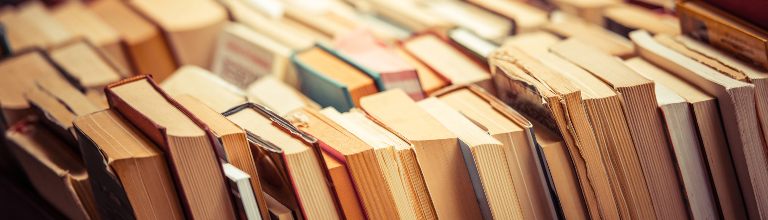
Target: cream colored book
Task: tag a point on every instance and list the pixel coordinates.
(565, 99)
(448, 61)
(32, 25)
(19, 75)
(736, 100)
(244, 55)
(589, 10)
(217, 93)
(593, 35)
(533, 43)
(482, 154)
(88, 66)
(288, 35)
(76, 18)
(475, 19)
(684, 140)
(332, 18)
(527, 18)
(278, 96)
(623, 18)
(437, 152)
(192, 38)
(409, 14)
(662, 192)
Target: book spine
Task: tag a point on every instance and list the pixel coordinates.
(477, 184)
(723, 31)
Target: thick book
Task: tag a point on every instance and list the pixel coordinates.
(594, 35)
(529, 176)
(235, 144)
(393, 70)
(333, 80)
(191, 38)
(736, 100)
(87, 67)
(129, 175)
(707, 23)
(291, 163)
(145, 50)
(31, 25)
(57, 104)
(218, 94)
(53, 169)
(437, 152)
(19, 75)
(526, 18)
(684, 141)
(625, 18)
(278, 96)
(429, 79)
(188, 144)
(486, 24)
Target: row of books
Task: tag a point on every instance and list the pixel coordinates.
(386, 110)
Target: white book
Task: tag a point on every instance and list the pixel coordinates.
(241, 188)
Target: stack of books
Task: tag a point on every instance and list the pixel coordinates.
(374, 109)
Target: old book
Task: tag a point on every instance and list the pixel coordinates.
(526, 17)
(704, 22)
(343, 187)
(329, 18)
(482, 153)
(519, 153)
(533, 43)
(478, 48)
(625, 18)
(277, 29)
(278, 96)
(393, 70)
(559, 94)
(236, 148)
(430, 80)
(53, 169)
(734, 68)
(661, 191)
(589, 10)
(738, 112)
(437, 152)
(371, 169)
(245, 199)
(187, 143)
(293, 168)
(409, 15)
(593, 35)
(244, 55)
(332, 80)
(19, 75)
(135, 182)
(711, 134)
(395, 157)
(684, 140)
(192, 38)
(145, 49)
(32, 25)
(58, 103)
(76, 18)
(448, 61)
(87, 66)
(218, 94)
(277, 210)
(485, 24)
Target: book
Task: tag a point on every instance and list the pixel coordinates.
(706, 23)
(437, 152)
(54, 170)
(277, 210)
(57, 104)
(478, 48)
(447, 61)
(589, 10)
(219, 94)
(243, 56)
(237, 153)
(187, 143)
(593, 35)
(409, 15)
(79, 20)
(481, 153)
(19, 75)
(285, 32)
(661, 191)
(534, 43)
(129, 175)
(394, 71)
(747, 10)
(293, 168)
(87, 66)
(31, 25)
(430, 80)
(329, 18)
(395, 156)
(278, 96)
(513, 131)
(712, 137)
(383, 29)
(331, 80)
(477, 20)
(559, 94)
(244, 194)
(526, 17)
(145, 49)
(684, 140)
(192, 39)
(738, 114)
(344, 188)
(625, 18)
